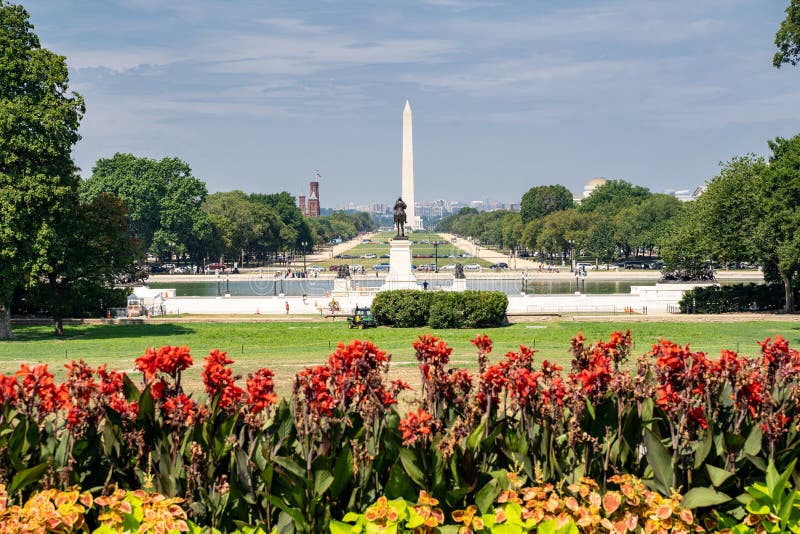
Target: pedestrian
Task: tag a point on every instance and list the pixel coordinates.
(425, 285)
(287, 307)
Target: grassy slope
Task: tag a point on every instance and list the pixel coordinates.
(379, 246)
(287, 347)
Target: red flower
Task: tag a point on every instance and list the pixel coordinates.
(416, 426)
(37, 389)
(483, 343)
(261, 390)
(312, 384)
(179, 410)
(167, 359)
(431, 353)
(218, 378)
(8, 389)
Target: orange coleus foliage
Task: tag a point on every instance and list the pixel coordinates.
(47, 511)
(630, 508)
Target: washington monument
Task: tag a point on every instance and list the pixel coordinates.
(408, 168)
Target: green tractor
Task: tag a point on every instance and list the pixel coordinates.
(362, 318)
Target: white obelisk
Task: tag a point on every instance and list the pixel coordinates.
(408, 168)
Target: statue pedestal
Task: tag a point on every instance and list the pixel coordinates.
(401, 276)
(341, 287)
(460, 284)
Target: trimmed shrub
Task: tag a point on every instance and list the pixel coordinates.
(404, 308)
(467, 309)
(734, 298)
(447, 311)
(484, 308)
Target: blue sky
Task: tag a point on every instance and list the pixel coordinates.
(256, 95)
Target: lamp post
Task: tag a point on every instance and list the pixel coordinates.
(227, 286)
(571, 253)
(304, 244)
(436, 254)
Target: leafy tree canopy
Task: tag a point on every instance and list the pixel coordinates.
(543, 200)
(613, 196)
(38, 180)
(787, 39)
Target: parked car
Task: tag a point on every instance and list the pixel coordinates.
(448, 267)
(384, 256)
(215, 266)
(499, 266)
(315, 268)
(369, 256)
(472, 267)
(381, 267)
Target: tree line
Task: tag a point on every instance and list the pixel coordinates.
(618, 220)
(171, 213)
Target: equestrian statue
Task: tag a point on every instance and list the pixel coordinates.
(400, 217)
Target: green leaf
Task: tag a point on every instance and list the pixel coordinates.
(486, 495)
(342, 471)
(475, 438)
(290, 466)
(659, 459)
(702, 497)
(409, 465)
(26, 477)
(717, 475)
(780, 484)
(337, 527)
(703, 448)
(322, 481)
(752, 444)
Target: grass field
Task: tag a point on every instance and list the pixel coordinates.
(288, 347)
(380, 246)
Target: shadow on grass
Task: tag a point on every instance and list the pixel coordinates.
(98, 332)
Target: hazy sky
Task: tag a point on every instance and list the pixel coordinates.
(256, 95)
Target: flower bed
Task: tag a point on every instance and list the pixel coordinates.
(680, 422)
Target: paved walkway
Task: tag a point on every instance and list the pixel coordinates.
(335, 250)
(490, 255)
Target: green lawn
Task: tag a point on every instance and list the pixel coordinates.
(287, 347)
(380, 245)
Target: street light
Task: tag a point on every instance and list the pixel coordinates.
(571, 253)
(436, 254)
(305, 244)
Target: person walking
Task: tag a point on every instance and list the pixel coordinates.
(287, 307)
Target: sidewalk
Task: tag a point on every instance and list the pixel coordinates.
(335, 250)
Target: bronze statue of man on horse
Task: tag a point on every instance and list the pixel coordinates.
(400, 217)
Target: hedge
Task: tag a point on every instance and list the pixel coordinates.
(464, 309)
(733, 298)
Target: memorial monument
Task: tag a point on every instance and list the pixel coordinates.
(401, 276)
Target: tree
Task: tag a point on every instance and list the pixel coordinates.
(162, 197)
(543, 200)
(777, 238)
(787, 39)
(747, 213)
(613, 196)
(38, 180)
(96, 251)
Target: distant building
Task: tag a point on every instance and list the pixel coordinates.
(313, 200)
(301, 203)
(593, 184)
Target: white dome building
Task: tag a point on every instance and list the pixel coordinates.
(593, 184)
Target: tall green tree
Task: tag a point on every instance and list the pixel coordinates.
(39, 121)
(96, 251)
(613, 196)
(543, 200)
(787, 39)
(777, 238)
(162, 197)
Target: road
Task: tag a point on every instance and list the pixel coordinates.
(490, 255)
(335, 250)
